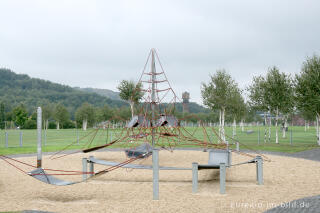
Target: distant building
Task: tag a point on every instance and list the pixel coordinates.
(185, 102)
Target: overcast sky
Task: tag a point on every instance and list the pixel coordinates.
(99, 43)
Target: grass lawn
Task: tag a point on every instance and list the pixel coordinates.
(54, 140)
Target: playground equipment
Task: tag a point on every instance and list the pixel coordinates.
(155, 128)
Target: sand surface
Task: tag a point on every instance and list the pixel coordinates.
(127, 190)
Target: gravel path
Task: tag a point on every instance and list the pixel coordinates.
(307, 204)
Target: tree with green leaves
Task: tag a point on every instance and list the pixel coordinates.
(20, 115)
(86, 114)
(105, 113)
(257, 100)
(308, 117)
(237, 110)
(131, 92)
(61, 115)
(307, 89)
(47, 112)
(278, 94)
(218, 94)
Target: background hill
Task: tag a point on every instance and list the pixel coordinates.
(16, 89)
(193, 107)
(104, 92)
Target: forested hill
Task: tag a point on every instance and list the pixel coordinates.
(18, 88)
(104, 92)
(193, 107)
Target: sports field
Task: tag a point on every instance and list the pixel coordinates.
(54, 140)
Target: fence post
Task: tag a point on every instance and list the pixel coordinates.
(20, 139)
(222, 178)
(259, 135)
(39, 147)
(237, 146)
(291, 135)
(77, 136)
(194, 177)
(6, 139)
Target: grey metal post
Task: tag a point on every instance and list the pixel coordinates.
(194, 177)
(259, 135)
(45, 137)
(84, 168)
(259, 164)
(291, 135)
(20, 139)
(237, 146)
(155, 168)
(6, 138)
(39, 127)
(91, 167)
(155, 152)
(222, 178)
(77, 136)
(107, 134)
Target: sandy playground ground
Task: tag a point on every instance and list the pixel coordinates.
(127, 190)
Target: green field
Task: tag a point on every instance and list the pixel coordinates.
(54, 140)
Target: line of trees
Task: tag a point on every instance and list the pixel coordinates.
(277, 94)
(59, 117)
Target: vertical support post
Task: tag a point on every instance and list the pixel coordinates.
(39, 127)
(155, 167)
(110, 136)
(259, 165)
(20, 139)
(237, 146)
(91, 167)
(222, 178)
(84, 168)
(194, 177)
(6, 138)
(155, 152)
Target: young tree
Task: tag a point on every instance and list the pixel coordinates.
(47, 112)
(105, 113)
(20, 115)
(257, 97)
(61, 115)
(307, 88)
(278, 93)
(219, 94)
(86, 113)
(237, 110)
(131, 92)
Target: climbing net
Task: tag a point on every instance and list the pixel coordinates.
(155, 124)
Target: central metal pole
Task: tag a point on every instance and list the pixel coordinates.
(155, 152)
(153, 94)
(39, 127)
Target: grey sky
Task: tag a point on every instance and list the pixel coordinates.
(99, 43)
